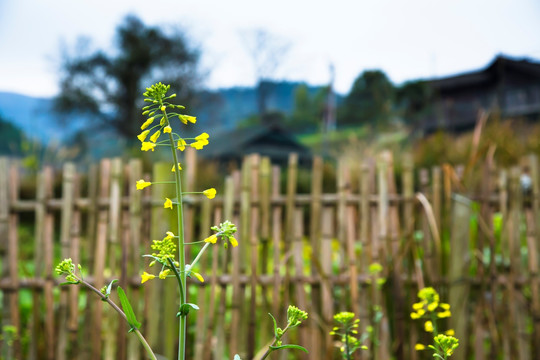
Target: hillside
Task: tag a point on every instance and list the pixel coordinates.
(220, 109)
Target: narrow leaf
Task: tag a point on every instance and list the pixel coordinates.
(109, 288)
(289, 346)
(128, 310)
(275, 325)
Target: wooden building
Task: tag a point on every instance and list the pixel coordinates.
(508, 85)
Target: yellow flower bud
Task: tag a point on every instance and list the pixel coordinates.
(141, 184)
(210, 193)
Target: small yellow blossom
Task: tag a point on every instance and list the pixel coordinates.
(432, 306)
(197, 145)
(147, 123)
(146, 276)
(181, 145)
(211, 239)
(450, 332)
(210, 193)
(198, 276)
(163, 274)
(174, 168)
(186, 118)
(203, 136)
(444, 306)
(141, 184)
(418, 306)
(233, 241)
(168, 203)
(428, 326)
(419, 347)
(155, 136)
(167, 129)
(444, 314)
(163, 107)
(147, 146)
(170, 235)
(143, 135)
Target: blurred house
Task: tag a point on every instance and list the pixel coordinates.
(267, 140)
(507, 85)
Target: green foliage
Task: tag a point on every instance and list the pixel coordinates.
(370, 100)
(128, 310)
(295, 316)
(11, 138)
(414, 101)
(107, 86)
(308, 110)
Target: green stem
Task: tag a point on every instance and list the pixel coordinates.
(347, 345)
(119, 311)
(199, 255)
(269, 350)
(181, 255)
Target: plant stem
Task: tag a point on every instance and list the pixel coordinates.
(181, 255)
(119, 311)
(199, 255)
(347, 345)
(269, 350)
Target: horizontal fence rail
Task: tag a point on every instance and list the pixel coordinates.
(472, 234)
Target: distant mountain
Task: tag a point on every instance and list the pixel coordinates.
(35, 117)
(224, 108)
(220, 109)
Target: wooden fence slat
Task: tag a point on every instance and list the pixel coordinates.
(100, 252)
(134, 254)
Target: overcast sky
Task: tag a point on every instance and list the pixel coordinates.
(408, 39)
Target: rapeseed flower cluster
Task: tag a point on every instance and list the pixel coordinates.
(431, 309)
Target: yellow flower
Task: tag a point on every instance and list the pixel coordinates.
(418, 314)
(170, 235)
(174, 168)
(211, 239)
(445, 306)
(186, 118)
(163, 108)
(419, 347)
(155, 136)
(181, 145)
(147, 123)
(428, 326)
(432, 306)
(147, 146)
(163, 274)
(198, 276)
(203, 136)
(233, 241)
(444, 314)
(199, 144)
(418, 306)
(450, 332)
(146, 276)
(167, 129)
(141, 184)
(210, 193)
(143, 135)
(167, 204)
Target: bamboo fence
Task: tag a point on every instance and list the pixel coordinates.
(477, 245)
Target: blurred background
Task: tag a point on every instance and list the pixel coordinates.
(350, 75)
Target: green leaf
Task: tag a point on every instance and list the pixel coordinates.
(69, 283)
(184, 309)
(109, 288)
(289, 346)
(128, 310)
(275, 325)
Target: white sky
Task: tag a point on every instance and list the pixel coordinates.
(408, 39)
